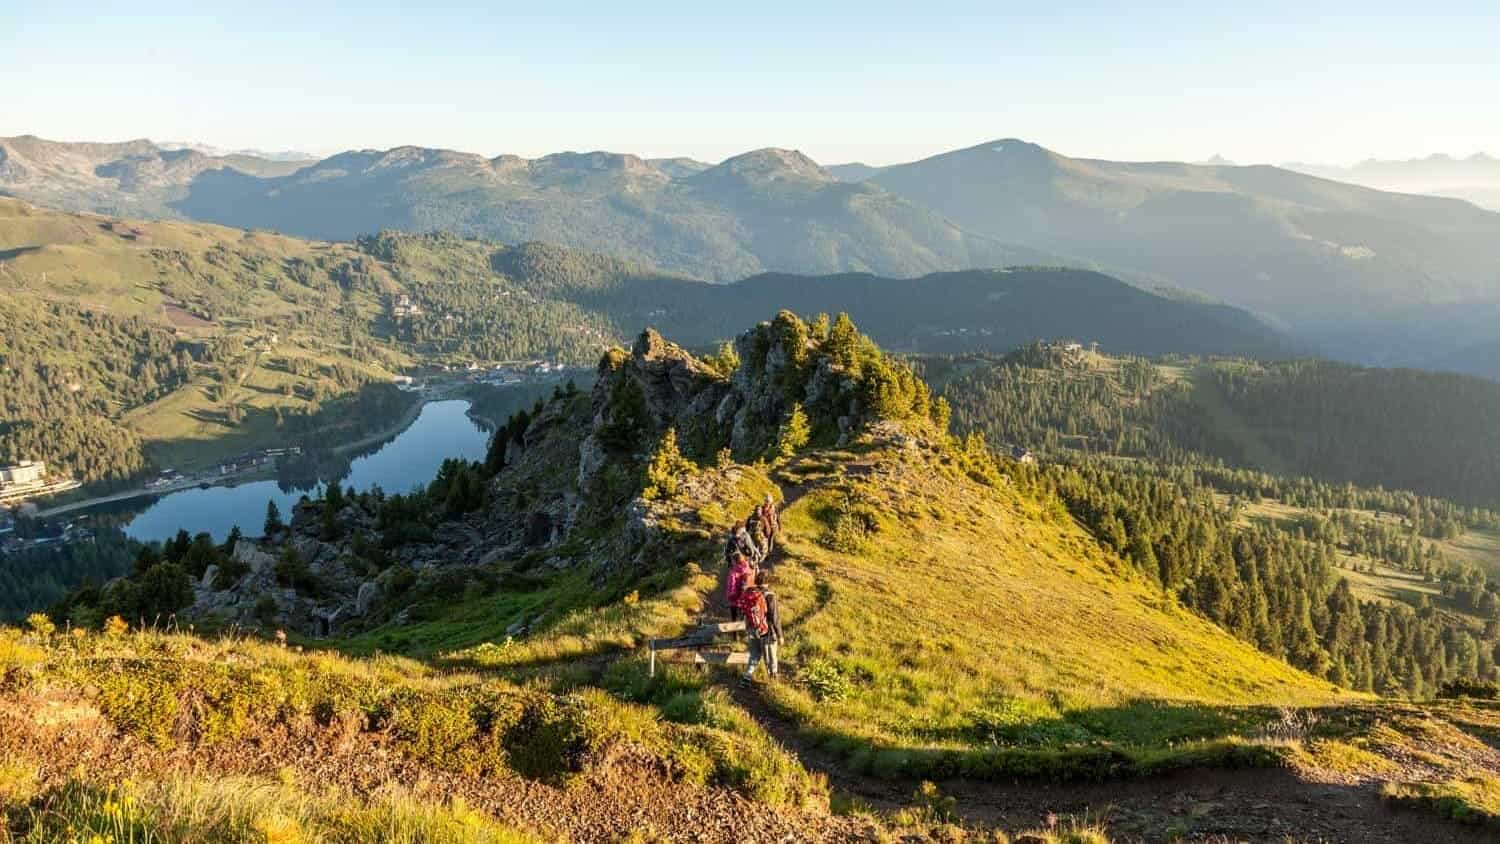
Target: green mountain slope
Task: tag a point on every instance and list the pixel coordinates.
(1358, 273)
(254, 325)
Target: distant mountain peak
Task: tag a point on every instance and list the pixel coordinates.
(773, 164)
(596, 160)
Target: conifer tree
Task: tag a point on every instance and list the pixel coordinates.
(666, 466)
(793, 435)
(273, 523)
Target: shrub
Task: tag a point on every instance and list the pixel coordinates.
(140, 698)
(1013, 720)
(163, 590)
(1477, 689)
(551, 739)
(292, 570)
(231, 569)
(850, 525)
(725, 361)
(266, 609)
(824, 680)
(114, 627)
(40, 624)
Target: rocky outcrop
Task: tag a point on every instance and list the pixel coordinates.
(344, 593)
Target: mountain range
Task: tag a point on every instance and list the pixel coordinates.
(1475, 178)
(1347, 269)
(765, 210)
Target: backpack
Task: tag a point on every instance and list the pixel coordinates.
(753, 605)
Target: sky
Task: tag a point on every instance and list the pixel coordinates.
(875, 82)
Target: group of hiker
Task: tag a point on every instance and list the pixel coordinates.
(747, 588)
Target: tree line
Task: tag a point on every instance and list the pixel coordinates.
(1275, 589)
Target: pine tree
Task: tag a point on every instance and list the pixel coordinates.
(843, 342)
(273, 524)
(793, 435)
(667, 464)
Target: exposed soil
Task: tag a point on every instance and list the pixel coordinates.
(183, 318)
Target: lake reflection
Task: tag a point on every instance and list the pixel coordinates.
(442, 430)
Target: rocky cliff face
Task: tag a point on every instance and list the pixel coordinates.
(301, 580)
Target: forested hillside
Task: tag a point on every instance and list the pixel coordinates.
(1371, 587)
(1401, 429)
(64, 374)
(1280, 588)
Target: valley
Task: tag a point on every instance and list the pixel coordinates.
(1037, 621)
(828, 423)
(953, 617)
(237, 340)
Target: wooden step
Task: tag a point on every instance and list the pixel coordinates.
(692, 640)
(709, 657)
(722, 627)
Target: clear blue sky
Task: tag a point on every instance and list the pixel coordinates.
(841, 81)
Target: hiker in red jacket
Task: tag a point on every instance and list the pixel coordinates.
(763, 624)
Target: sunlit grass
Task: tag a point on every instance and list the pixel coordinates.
(974, 619)
(241, 809)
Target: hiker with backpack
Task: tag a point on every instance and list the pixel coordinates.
(770, 522)
(758, 537)
(732, 544)
(744, 544)
(763, 624)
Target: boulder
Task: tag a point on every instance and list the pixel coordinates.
(251, 554)
(210, 574)
(368, 593)
(591, 457)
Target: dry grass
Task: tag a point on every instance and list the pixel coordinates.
(241, 809)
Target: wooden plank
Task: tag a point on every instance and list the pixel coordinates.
(710, 657)
(722, 627)
(691, 641)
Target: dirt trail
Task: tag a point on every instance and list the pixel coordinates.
(1250, 805)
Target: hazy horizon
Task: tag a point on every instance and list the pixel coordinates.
(841, 83)
(226, 148)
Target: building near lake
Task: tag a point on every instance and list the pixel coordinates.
(28, 479)
(23, 473)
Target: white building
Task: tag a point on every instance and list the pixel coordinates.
(24, 473)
